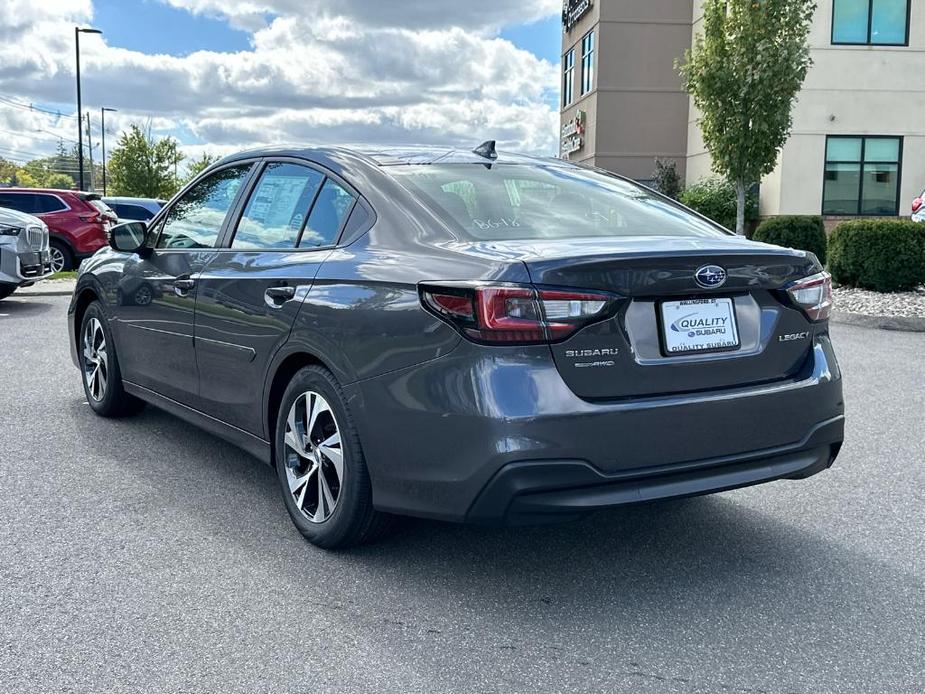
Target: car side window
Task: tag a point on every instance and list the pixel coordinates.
(327, 216)
(275, 212)
(125, 211)
(21, 202)
(49, 203)
(196, 219)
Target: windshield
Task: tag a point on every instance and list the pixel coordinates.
(513, 201)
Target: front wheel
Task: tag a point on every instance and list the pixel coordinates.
(6, 290)
(320, 465)
(99, 366)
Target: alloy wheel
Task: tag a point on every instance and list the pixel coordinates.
(314, 457)
(57, 259)
(96, 360)
(143, 296)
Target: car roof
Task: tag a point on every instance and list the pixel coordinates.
(53, 191)
(393, 155)
(122, 198)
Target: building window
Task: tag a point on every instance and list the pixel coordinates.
(862, 175)
(568, 77)
(587, 62)
(870, 22)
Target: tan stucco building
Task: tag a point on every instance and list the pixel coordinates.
(858, 139)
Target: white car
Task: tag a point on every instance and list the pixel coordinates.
(24, 252)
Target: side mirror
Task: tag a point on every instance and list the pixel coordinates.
(128, 237)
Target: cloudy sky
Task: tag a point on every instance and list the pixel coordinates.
(225, 74)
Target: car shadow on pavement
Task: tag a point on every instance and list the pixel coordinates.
(685, 568)
(17, 306)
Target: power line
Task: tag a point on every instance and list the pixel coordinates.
(31, 107)
(22, 152)
(38, 134)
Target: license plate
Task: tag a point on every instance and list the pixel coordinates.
(699, 325)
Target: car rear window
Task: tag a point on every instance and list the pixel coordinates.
(514, 201)
(101, 207)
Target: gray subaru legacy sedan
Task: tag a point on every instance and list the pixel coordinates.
(464, 335)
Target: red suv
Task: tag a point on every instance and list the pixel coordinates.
(78, 223)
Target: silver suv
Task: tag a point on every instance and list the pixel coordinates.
(24, 252)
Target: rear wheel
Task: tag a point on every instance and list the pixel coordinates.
(320, 465)
(99, 366)
(61, 256)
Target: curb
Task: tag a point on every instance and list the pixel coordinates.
(45, 288)
(50, 293)
(897, 323)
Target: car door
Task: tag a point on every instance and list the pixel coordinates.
(156, 294)
(251, 290)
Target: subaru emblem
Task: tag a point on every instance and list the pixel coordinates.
(710, 276)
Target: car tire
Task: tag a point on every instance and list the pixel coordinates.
(329, 500)
(61, 256)
(99, 367)
(6, 290)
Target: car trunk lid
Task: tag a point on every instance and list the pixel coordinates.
(630, 353)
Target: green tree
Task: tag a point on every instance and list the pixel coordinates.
(142, 166)
(198, 165)
(7, 170)
(743, 73)
(22, 178)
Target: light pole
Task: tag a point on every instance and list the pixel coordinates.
(90, 149)
(103, 111)
(80, 149)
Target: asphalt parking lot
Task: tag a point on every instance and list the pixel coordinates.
(145, 555)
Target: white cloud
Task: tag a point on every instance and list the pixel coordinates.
(481, 15)
(318, 72)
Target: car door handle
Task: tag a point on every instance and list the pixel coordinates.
(277, 296)
(183, 285)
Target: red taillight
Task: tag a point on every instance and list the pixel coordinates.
(459, 306)
(916, 205)
(515, 314)
(95, 218)
(813, 295)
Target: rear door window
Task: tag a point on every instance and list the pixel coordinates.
(276, 211)
(196, 219)
(327, 216)
(49, 203)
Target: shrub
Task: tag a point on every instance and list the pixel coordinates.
(716, 198)
(666, 179)
(801, 232)
(881, 254)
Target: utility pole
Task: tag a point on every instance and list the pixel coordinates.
(80, 150)
(103, 137)
(90, 150)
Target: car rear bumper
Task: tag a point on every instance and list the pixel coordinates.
(539, 492)
(495, 435)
